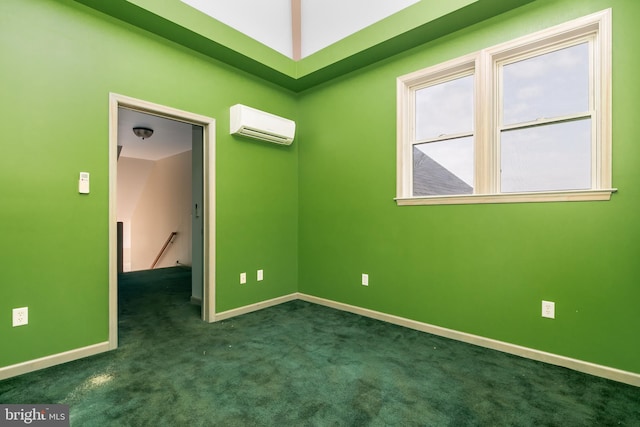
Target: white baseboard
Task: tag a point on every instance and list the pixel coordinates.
(55, 359)
(254, 307)
(529, 353)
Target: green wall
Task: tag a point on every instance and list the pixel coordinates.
(480, 269)
(314, 215)
(59, 61)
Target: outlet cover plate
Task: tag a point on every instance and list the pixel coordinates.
(260, 275)
(20, 316)
(549, 309)
(243, 278)
(365, 279)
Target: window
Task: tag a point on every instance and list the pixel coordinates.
(525, 121)
(443, 152)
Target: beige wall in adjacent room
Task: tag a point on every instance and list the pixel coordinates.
(133, 175)
(164, 206)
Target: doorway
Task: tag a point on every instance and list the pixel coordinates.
(159, 191)
(203, 206)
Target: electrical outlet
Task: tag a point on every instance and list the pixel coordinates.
(243, 278)
(365, 279)
(549, 309)
(260, 275)
(20, 316)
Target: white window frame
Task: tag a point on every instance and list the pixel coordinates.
(485, 65)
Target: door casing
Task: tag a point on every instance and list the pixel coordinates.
(208, 208)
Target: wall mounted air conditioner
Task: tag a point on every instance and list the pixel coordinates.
(247, 121)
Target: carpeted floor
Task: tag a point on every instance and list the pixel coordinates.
(300, 364)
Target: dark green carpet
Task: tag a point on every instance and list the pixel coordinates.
(299, 364)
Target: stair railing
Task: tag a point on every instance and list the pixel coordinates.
(164, 248)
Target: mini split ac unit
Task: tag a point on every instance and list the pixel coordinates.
(247, 121)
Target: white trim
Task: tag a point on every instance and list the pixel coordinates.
(449, 137)
(113, 214)
(565, 32)
(404, 183)
(543, 121)
(439, 73)
(533, 197)
(529, 353)
(52, 360)
(209, 223)
(255, 307)
(619, 375)
(208, 123)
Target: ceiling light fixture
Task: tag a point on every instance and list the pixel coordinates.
(143, 133)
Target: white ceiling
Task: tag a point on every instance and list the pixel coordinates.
(323, 22)
(268, 22)
(170, 137)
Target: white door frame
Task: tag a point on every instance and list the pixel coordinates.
(209, 164)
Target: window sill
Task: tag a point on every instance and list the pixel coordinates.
(549, 196)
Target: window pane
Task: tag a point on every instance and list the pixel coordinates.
(444, 109)
(546, 86)
(547, 158)
(443, 167)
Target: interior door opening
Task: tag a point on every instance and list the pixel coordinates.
(159, 202)
(161, 190)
